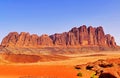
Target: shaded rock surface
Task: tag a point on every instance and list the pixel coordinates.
(77, 37)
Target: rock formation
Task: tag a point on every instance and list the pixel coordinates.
(103, 68)
(81, 36)
(45, 40)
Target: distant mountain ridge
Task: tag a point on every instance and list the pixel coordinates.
(76, 37)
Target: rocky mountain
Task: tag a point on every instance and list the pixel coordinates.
(76, 37)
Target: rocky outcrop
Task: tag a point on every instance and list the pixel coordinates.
(45, 40)
(103, 68)
(59, 39)
(92, 40)
(81, 36)
(110, 41)
(11, 39)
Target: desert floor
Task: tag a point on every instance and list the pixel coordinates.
(54, 69)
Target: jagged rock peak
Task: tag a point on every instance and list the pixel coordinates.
(81, 36)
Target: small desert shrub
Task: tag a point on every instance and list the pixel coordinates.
(93, 76)
(79, 74)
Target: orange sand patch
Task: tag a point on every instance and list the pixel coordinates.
(37, 71)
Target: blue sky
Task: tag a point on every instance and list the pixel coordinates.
(51, 16)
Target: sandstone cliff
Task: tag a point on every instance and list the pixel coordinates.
(76, 37)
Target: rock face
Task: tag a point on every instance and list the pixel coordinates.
(81, 36)
(45, 40)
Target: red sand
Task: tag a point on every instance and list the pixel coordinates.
(33, 71)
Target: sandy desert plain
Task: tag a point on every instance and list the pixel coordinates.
(64, 68)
